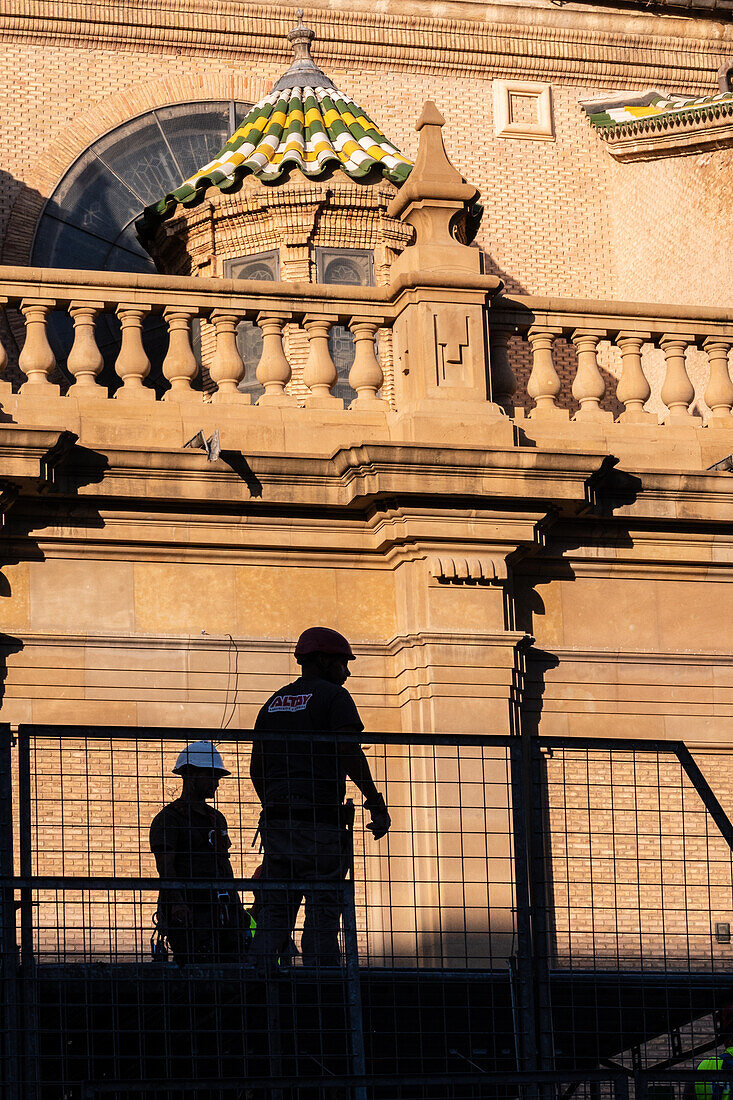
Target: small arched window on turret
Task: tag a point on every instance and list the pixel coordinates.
(725, 76)
(266, 267)
(348, 267)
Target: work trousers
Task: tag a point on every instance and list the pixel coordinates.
(296, 852)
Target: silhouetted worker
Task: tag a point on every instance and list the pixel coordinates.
(716, 1090)
(301, 783)
(190, 840)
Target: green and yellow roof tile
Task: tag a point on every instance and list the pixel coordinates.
(655, 107)
(304, 122)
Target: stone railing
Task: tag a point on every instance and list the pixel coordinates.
(36, 294)
(636, 330)
(438, 346)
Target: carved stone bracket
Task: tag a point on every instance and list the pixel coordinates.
(483, 569)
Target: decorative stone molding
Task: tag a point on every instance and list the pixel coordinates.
(655, 123)
(293, 217)
(513, 41)
(533, 119)
(651, 139)
(486, 569)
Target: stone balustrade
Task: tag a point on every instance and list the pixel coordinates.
(635, 330)
(31, 296)
(603, 373)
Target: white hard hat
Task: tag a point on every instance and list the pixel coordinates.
(201, 754)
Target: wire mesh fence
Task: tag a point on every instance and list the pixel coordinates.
(539, 912)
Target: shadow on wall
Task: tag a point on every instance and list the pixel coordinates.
(607, 490)
(565, 359)
(20, 208)
(564, 355)
(65, 468)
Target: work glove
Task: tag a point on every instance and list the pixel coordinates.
(381, 821)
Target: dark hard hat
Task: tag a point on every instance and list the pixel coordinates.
(320, 639)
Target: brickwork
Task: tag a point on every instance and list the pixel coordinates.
(637, 870)
(560, 217)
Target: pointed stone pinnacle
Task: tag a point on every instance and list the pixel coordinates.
(429, 116)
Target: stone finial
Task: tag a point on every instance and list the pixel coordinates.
(300, 38)
(433, 199)
(433, 177)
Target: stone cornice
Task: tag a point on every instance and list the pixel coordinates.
(574, 44)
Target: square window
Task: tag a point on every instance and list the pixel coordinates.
(523, 109)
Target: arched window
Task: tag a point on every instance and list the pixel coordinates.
(350, 267)
(87, 222)
(264, 266)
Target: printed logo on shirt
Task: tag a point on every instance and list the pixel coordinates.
(289, 703)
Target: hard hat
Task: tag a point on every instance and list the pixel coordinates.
(200, 754)
(320, 639)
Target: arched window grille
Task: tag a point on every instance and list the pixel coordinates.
(88, 221)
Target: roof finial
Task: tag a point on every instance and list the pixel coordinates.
(300, 38)
(303, 72)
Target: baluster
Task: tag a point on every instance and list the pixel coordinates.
(180, 366)
(132, 364)
(588, 386)
(37, 360)
(273, 369)
(677, 390)
(503, 381)
(85, 359)
(366, 375)
(320, 373)
(227, 367)
(544, 384)
(633, 390)
(719, 391)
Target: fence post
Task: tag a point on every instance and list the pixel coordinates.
(27, 983)
(526, 1039)
(8, 937)
(353, 984)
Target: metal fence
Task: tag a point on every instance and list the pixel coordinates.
(545, 917)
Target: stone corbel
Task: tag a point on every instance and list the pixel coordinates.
(470, 570)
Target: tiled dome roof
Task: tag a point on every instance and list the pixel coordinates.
(304, 122)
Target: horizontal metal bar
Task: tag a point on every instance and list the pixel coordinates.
(118, 882)
(621, 744)
(360, 1081)
(172, 733)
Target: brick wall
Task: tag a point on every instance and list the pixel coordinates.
(561, 217)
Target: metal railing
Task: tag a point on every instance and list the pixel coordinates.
(541, 916)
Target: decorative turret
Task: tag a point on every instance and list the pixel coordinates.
(303, 124)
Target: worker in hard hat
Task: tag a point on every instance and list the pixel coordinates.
(190, 840)
(722, 1089)
(301, 783)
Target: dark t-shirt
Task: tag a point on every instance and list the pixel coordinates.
(197, 839)
(300, 777)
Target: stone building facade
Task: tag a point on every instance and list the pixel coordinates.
(536, 472)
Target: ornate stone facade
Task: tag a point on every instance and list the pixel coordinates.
(512, 494)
